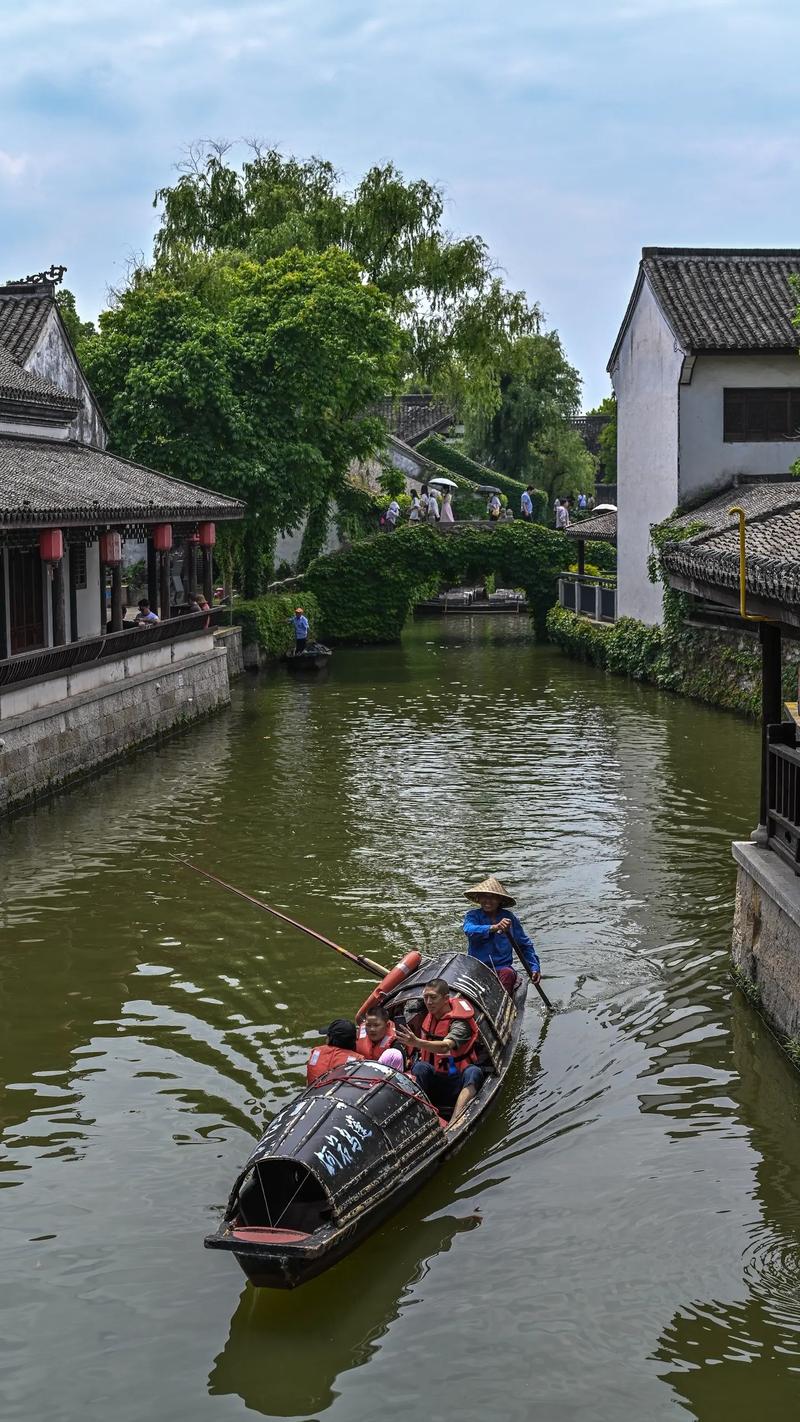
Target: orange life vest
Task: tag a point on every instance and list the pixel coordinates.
(323, 1058)
(439, 1027)
(372, 1050)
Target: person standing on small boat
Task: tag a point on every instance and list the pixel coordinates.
(446, 1065)
(340, 1047)
(490, 931)
(300, 630)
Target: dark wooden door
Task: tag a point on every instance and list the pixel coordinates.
(26, 605)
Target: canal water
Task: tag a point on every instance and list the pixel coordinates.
(620, 1241)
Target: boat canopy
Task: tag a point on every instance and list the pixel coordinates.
(328, 1153)
(494, 1008)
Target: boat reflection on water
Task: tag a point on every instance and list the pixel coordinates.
(285, 1350)
(344, 1314)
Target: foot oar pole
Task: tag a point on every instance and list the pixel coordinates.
(543, 995)
(359, 958)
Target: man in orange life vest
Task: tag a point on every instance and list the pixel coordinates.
(446, 1063)
(340, 1047)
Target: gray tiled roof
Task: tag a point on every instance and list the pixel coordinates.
(722, 298)
(21, 321)
(602, 527)
(21, 385)
(52, 480)
(772, 522)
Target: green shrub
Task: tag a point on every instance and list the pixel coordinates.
(268, 620)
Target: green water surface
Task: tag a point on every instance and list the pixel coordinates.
(620, 1241)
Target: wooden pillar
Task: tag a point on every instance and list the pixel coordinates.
(116, 598)
(771, 699)
(73, 600)
(59, 605)
(581, 556)
(164, 601)
(190, 566)
(152, 575)
(208, 575)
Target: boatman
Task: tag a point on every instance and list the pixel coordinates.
(446, 1065)
(492, 934)
(300, 630)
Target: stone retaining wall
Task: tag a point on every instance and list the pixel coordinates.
(103, 712)
(766, 935)
(231, 639)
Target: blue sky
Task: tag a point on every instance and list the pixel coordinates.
(567, 133)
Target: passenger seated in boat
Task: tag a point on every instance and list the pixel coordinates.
(447, 1050)
(377, 1035)
(340, 1047)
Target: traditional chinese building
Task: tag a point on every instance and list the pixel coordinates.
(758, 595)
(78, 686)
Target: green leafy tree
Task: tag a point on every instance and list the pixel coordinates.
(78, 330)
(251, 376)
(607, 462)
(528, 437)
(457, 315)
(561, 464)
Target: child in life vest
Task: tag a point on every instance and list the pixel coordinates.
(377, 1035)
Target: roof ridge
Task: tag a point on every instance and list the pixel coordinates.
(702, 253)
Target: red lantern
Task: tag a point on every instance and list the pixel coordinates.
(207, 534)
(51, 545)
(111, 549)
(162, 537)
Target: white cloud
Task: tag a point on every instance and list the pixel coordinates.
(12, 165)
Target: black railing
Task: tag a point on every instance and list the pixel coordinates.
(34, 666)
(594, 597)
(783, 793)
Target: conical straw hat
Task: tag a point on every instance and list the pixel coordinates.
(491, 886)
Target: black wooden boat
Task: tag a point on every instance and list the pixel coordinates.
(335, 1162)
(314, 658)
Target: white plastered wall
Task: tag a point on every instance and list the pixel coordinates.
(87, 600)
(645, 380)
(707, 463)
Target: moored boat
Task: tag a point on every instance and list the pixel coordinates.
(349, 1150)
(314, 658)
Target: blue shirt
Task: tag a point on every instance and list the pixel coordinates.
(525, 503)
(300, 625)
(496, 949)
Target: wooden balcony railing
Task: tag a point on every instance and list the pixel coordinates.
(35, 666)
(592, 596)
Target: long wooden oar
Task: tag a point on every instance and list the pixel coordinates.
(359, 958)
(543, 995)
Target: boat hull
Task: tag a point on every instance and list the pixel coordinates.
(285, 1259)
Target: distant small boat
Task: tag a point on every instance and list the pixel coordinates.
(349, 1150)
(314, 658)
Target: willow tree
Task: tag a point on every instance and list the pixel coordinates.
(457, 315)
